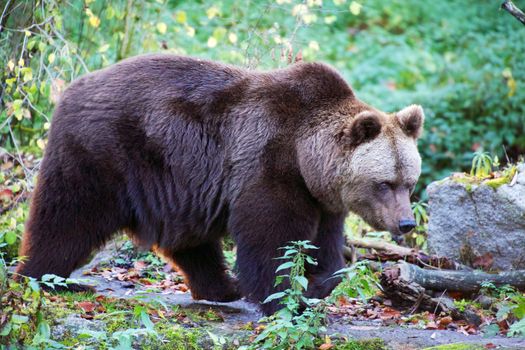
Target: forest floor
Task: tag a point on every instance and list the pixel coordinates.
(116, 277)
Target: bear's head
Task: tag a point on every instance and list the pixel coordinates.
(366, 161)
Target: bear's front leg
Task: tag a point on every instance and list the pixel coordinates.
(262, 220)
(205, 272)
(329, 256)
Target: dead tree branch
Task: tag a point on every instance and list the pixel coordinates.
(459, 281)
(392, 252)
(513, 10)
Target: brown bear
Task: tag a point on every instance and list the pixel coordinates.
(178, 152)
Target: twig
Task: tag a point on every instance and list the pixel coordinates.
(513, 10)
(380, 245)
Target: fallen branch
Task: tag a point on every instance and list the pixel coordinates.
(380, 245)
(458, 281)
(413, 296)
(392, 252)
(513, 10)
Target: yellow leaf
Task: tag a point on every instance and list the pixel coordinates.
(162, 27)
(312, 3)
(19, 115)
(219, 33)
(299, 10)
(330, 19)
(190, 31)
(181, 17)
(103, 48)
(27, 33)
(339, 2)
(212, 12)
(21, 62)
(27, 75)
(41, 144)
(11, 65)
(355, 8)
(232, 37)
(26, 113)
(47, 125)
(212, 42)
(309, 18)
(281, 2)
(51, 58)
(314, 45)
(94, 21)
(511, 83)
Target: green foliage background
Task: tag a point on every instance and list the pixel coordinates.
(461, 59)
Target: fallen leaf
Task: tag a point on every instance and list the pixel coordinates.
(140, 265)
(6, 195)
(87, 306)
(431, 325)
(444, 322)
(327, 343)
(484, 261)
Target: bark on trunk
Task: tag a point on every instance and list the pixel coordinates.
(459, 281)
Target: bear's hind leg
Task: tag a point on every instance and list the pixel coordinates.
(205, 272)
(70, 216)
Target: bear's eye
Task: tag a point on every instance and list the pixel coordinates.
(385, 186)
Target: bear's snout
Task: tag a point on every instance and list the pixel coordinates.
(406, 225)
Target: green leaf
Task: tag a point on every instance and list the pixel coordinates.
(302, 281)
(47, 277)
(517, 328)
(10, 237)
(6, 329)
(19, 319)
(33, 284)
(44, 330)
(274, 296)
(146, 321)
(284, 266)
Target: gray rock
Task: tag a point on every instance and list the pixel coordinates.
(468, 222)
(73, 325)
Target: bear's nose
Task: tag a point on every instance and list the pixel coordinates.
(406, 225)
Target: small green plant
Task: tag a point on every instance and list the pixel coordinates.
(464, 304)
(511, 307)
(11, 230)
(22, 302)
(358, 280)
(482, 164)
(419, 235)
(289, 328)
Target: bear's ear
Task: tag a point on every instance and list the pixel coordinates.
(365, 126)
(411, 119)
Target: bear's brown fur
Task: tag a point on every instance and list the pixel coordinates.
(180, 151)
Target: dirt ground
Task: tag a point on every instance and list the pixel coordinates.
(237, 314)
